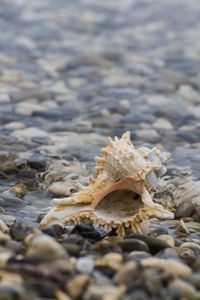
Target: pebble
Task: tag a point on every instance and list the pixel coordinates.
(186, 254)
(138, 255)
(194, 279)
(168, 253)
(171, 266)
(185, 289)
(29, 133)
(106, 292)
(77, 285)
(185, 209)
(4, 257)
(167, 238)
(111, 260)
(162, 124)
(15, 125)
(85, 264)
(132, 244)
(20, 229)
(148, 135)
(126, 273)
(50, 252)
(3, 226)
(87, 231)
(54, 230)
(189, 93)
(155, 244)
(191, 245)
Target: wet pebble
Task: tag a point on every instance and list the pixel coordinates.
(111, 260)
(168, 253)
(132, 244)
(167, 238)
(185, 289)
(148, 135)
(138, 255)
(126, 273)
(44, 247)
(194, 279)
(3, 226)
(155, 245)
(186, 254)
(106, 292)
(185, 209)
(170, 266)
(77, 285)
(20, 229)
(85, 264)
(54, 230)
(87, 231)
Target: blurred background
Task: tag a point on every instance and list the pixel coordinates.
(74, 72)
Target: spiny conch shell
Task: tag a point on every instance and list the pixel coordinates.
(120, 195)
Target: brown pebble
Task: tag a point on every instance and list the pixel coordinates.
(77, 285)
(167, 238)
(126, 274)
(171, 266)
(111, 260)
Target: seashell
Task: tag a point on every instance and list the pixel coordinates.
(121, 194)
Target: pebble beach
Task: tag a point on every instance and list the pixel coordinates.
(73, 73)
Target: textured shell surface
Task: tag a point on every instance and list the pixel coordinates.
(120, 196)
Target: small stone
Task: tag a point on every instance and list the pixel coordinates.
(54, 230)
(191, 245)
(3, 226)
(19, 190)
(45, 248)
(156, 100)
(186, 254)
(87, 231)
(105, 246)
(163, 124)
(60, 295)
(20, 229)
(132, 244)
(37, 162)
(189, 93)
(12, 291)
(29, 133)
(195, 111)
(85, 264)
(148, 135)
(64, 265)
(111, 260)
(168, 253)
(26, 109)
(167, 238)
(138, 255)
(194, 279)
(4, 98)
(15, 246)
(77, 285)
(155, 244)
(15, 125)
(4, 257)
(126, 274)
(170, 266)
(182, 227)
(106, 292)
(185, 209)
(186, 290)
